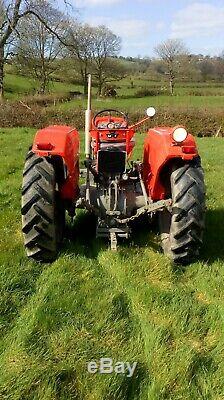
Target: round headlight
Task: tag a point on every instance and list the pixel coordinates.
(179, 134)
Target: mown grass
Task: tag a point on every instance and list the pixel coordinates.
(132, 305)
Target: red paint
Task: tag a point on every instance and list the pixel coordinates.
(123, 135)
(64, 141)
(159, 149)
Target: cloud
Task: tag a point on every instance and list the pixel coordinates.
(130, 28)
(159, 26)
(126, 28)
(198, 19)
(133, 32)
(93, 3)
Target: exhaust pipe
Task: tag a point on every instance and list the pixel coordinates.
(88, 122)
(88, 118)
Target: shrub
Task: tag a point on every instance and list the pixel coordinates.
(145, 92)
(198, 122)
(45, 100)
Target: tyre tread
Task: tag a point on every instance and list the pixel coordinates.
(188, 211)
(38, 208)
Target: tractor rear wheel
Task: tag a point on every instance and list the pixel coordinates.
(182, 230)
(43, 213)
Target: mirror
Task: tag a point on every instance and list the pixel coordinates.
(150, 111)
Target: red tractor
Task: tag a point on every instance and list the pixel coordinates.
(169, 181)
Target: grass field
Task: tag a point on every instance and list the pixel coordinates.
(16, 87)
(132, 305)
(181, 102)
(211, 94)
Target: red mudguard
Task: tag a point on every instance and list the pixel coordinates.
(159, 150)
(62, 141)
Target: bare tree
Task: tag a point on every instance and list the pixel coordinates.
(9, 18)
(80, 41)
(220, 67)
(113, 70)
(92, 48)
(38, 48)
(11, 12)
(171, 52)
(105, 45)
(206, 67)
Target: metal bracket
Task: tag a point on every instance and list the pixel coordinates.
(113, 213)
(83, 173)
(113, 241)
(112, 233)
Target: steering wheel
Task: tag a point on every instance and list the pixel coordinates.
(110, 112)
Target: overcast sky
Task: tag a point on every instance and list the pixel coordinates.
(142, 24)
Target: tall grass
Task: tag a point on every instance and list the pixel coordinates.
(132, 305)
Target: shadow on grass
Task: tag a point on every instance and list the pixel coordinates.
(144, 232)
(80, 236)
(213, 244)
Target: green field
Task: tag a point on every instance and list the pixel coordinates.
(132, 305)
(188, 95)
(176, 102)
(16, 87)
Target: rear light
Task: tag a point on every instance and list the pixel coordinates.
(45, 146)
(189, 149)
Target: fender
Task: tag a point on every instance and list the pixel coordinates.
(159, 150)
(62, 141)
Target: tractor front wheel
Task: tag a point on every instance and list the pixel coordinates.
(43, 213)
(182, 229)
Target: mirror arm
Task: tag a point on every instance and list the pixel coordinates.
(139, 123)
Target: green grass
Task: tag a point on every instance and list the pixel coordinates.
(132, 305)
(16, 87)
(132, 104)
(124, 87)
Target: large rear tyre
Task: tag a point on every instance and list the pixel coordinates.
(182, 230)
(43, 214)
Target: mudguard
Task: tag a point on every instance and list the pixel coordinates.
(61, 141)
(159, 151)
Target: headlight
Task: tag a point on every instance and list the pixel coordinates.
(179, 135)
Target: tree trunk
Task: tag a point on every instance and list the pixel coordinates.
(43, 81)
(1, 73)
(100, 81)
(100, 87)
(85, 83)
(84, 75)
(171, 86)
(85, 88)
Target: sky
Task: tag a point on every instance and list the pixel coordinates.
(142, 24)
